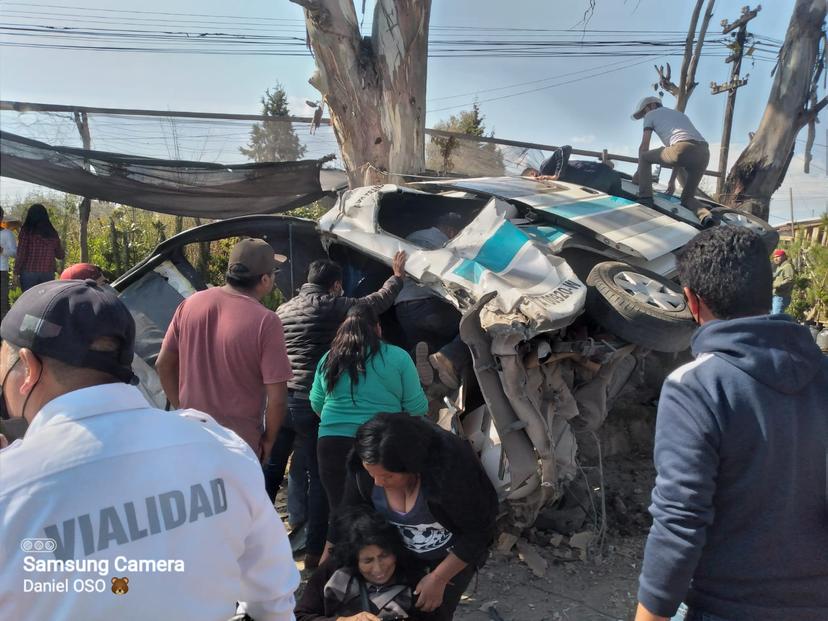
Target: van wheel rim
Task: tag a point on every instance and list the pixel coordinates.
(650, 292)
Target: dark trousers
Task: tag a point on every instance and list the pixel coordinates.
(30, 279)
(437, 323)
(332, 454)
(451, 596)
(4, 293)
(298, 434)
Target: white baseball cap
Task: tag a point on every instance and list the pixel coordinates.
(639, 109)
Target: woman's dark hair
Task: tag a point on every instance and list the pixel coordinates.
(358, 527)
(37, 221)
(397, 442)
(355, 343)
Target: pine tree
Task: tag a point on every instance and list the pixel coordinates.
(274, 141)
(463, 156)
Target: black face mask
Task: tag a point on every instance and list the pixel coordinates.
(13, 427)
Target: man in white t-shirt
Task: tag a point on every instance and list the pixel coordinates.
(684, 148)
(8, 249)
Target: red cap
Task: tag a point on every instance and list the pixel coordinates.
(81, 271)
(779, 253)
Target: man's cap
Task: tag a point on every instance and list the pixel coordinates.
(81, 271)
(62, 318)
(780, 253)
(639, 109)
(254, 256)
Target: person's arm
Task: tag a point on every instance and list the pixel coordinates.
(671, 184)
(10, 249)
(59, 253)
(274, 417)
(687, 460)
(646, 136)
(166, 365)
(22, 253)
(268, 574)
(642, 614)
(412, 399)
(318, 391)
(275, 366)
(431, 589)
(311, 606)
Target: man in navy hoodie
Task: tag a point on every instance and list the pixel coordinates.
(740, 506)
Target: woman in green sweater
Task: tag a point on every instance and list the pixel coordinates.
(358, 378)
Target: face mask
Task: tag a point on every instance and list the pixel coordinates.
(15, 426)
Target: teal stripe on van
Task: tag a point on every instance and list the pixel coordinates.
(495, 254)
(573, 211)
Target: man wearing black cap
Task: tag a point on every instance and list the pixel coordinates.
(224, 352)
(107, 493)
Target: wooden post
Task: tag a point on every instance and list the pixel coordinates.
(793, 228)
(736, 81)
(82, 122)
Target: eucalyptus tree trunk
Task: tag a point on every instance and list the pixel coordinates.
(761, 167)
(374, 86)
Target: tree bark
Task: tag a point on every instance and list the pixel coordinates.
(374, 86)
(761, 167)
(689, 78)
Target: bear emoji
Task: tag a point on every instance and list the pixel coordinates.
(119, 585)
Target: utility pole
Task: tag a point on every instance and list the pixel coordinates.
(735, 82)
(82, 122)
(793, 228)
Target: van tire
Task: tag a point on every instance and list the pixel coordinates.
(639, 306)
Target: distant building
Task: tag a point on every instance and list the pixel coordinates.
(814, 231)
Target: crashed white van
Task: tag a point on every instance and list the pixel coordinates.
(563, 291)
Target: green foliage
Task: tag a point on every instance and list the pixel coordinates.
(119, 237)
(274, 141)
(810, 295)
(463, 156)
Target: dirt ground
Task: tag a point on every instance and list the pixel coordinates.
(578, 575)
(571, 589)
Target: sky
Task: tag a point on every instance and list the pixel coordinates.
(521, 98)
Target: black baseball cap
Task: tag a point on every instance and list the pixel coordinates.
(61, 319)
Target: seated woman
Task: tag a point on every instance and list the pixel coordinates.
(365, 579)
(360, 376)
(431, 486)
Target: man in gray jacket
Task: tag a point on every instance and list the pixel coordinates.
(310, 321)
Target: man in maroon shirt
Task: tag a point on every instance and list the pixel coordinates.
(224, 352)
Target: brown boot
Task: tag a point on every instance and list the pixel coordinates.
(421, 360)
(445, 370)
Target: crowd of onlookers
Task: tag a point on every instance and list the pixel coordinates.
(399, 512)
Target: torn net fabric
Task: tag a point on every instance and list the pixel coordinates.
(181, 188)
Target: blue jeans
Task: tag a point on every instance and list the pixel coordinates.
(299, 435)
(779, 304)
(30, 279)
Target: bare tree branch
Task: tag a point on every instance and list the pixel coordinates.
(690, 79)
(688, 47)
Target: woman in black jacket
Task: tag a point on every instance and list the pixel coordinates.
(431, 486)
(367, 578)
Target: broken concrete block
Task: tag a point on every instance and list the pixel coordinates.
(505, 543)
(580, 541)
(529, 555)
